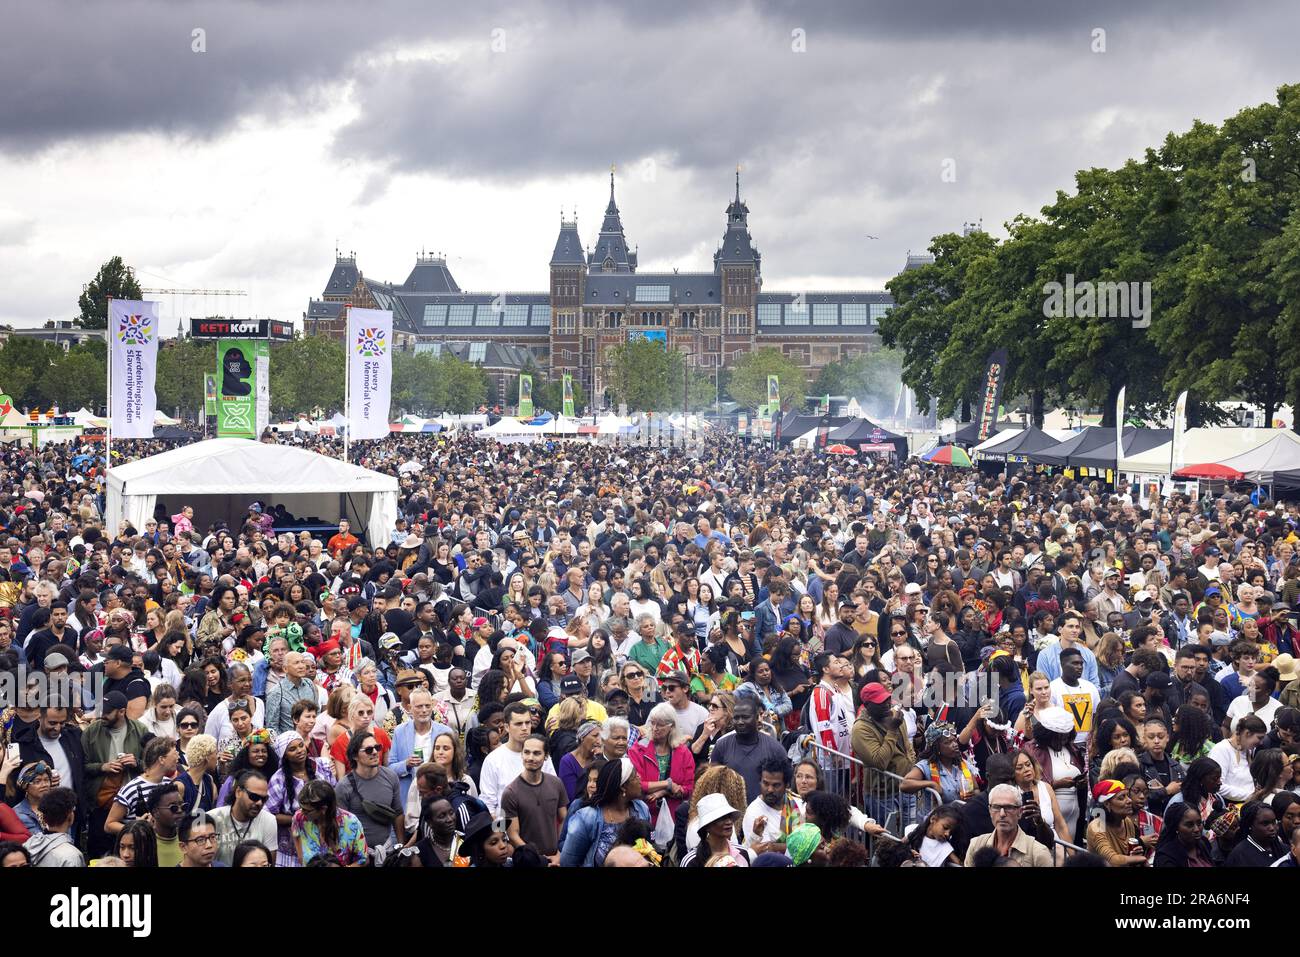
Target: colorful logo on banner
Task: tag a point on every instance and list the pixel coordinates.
(6, 403)
(133, 361)
(372, 342)
(134, 329)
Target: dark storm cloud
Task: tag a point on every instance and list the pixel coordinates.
(84, 69)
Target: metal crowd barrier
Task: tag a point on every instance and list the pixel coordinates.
(877, 794)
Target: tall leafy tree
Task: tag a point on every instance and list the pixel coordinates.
(643, 374)
(113, 281)
(747, 384)
(925, 317)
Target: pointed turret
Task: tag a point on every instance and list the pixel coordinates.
(737, 245)
(568, 245)
(611, 252)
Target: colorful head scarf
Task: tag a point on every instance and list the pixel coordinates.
(1107, 790)
(260, 736)
(31, 772)
(801, 843)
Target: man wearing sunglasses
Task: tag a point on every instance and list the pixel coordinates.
(165, 811)
(842, 636)
(246, 819)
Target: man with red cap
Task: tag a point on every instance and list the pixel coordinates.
(880, 742)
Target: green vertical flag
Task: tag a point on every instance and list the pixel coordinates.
(525, 396)
(568, 395)
(236, 388)
(209, 394)
(774, 392)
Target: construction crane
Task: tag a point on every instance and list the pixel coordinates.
(191, 292)
(195, 292)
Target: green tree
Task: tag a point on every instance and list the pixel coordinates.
(418, 386)
(114, 280)
(182, 364)
(306, 372)
(925, 317)
(24, 363)
(466, 384)
(643, 375)
(747, 384)
(74, 380)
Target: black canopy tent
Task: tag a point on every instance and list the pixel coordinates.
(1017, 447)
(795, 424)
(1136, 440)
(1083, 441)
(174, 433)
(968, 435)
(860, 432)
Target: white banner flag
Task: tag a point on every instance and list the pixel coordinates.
(1180, 431)
(1119, 431)
(133, 337)
(370, 371)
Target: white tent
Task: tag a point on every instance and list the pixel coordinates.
(613, 425)
(160, 419)
(220, 477)
(1280, 453)
(561, 425)
(512, 430)
(1200, 445)
(806, 441)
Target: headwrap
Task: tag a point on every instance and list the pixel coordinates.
(937, 730)
(29, 773)
(283, 741)
(586, 728)
(1104, 791)
(324, 648)
(629, 769)
(291, 633)
(259, 736)
(646, 850)
(801, 843)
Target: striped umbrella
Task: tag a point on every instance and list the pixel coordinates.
(948, 455)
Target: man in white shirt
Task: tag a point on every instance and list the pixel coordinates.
(1076, 694)
(506, 763)
(1211, 567)
(674, 687)
(1257, 700)
(775, 812)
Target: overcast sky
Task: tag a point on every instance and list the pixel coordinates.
(388, 127)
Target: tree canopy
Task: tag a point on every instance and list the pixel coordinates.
(1182, 271)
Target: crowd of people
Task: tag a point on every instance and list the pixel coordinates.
(579, 655)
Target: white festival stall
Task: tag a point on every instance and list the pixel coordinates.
(220, 478)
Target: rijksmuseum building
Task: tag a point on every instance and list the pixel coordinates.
(597, 300)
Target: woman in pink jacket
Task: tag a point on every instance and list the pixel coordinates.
(663, 761)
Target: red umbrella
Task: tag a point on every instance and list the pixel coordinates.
(1210, 470)
(840, 450)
